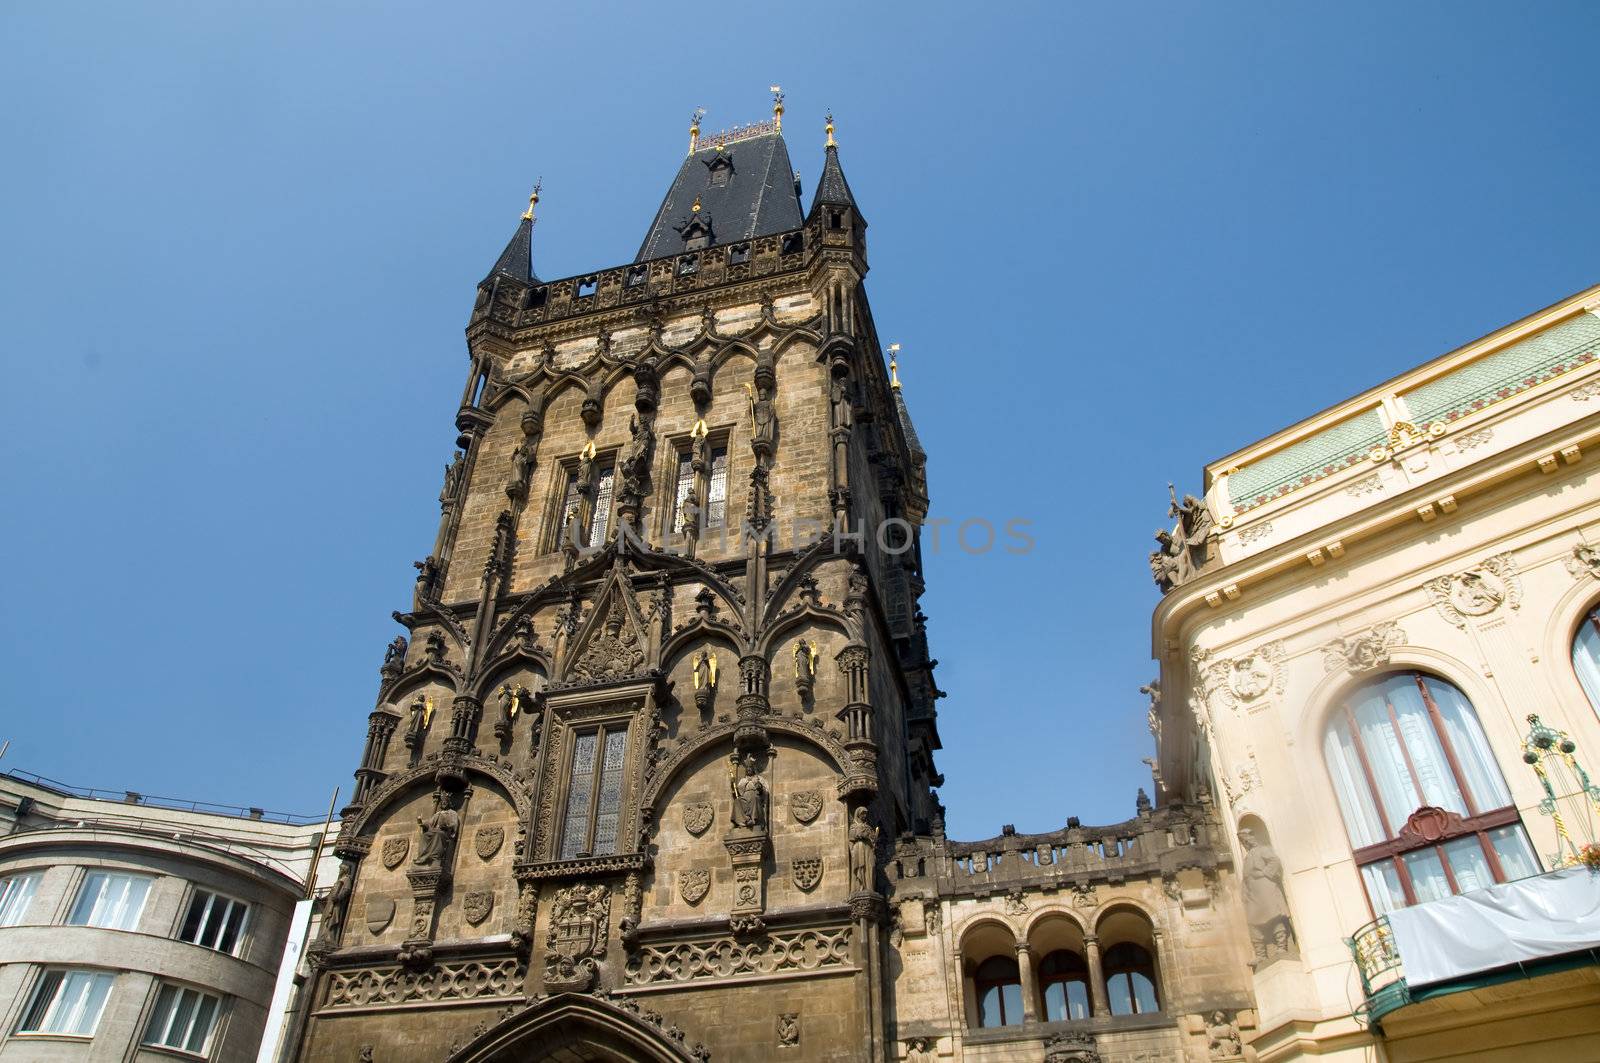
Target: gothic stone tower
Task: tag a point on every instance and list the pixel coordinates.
(631, 782)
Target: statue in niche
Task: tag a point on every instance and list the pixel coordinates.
(521, 464)
(705, 679)
(438, 832)
(749, 797)
(635, 462)
(424, 590)
(689, 520)
(839, 397)
(805, 667)
(863, 850)
(763, 418)
(1266, 908)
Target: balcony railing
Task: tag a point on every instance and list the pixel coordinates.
(1503, 932)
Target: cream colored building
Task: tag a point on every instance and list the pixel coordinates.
(1382, 595)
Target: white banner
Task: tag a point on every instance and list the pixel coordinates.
(1514, 922)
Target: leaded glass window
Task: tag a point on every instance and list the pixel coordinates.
(600, 519)
(717, 489)
(685, 482)
(594, 793)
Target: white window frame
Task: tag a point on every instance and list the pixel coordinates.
(58, 981)
(175, 994)
(103, 905)
(227, 903)
(16, 893)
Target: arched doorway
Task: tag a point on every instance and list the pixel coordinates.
(571, 1028)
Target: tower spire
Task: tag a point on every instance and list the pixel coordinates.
(516, 261)
(830, 143)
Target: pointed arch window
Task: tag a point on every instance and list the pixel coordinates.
(1425, 806)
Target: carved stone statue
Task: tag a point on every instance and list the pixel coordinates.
(1266, 908)
(438, 832)
(689, 520)
(521, 464)
(425, 589)
(334, 904)
(839, 397)
(863, 851)
(750, 797)
(1222, 1035)
(705, 679)
(452, 478)
(763, 420)
(635, 462)
(1182, 552)
(805, 667)
(394, 658)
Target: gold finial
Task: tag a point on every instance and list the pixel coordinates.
(830, 143)
(533, 200)
(699, 431)
(894, 366)
(694, 129)
(696, 207)
(777, 109)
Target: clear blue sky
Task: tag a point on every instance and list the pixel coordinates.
(1117, 241)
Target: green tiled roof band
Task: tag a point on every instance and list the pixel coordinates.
(1311, 459)
(1505, 373)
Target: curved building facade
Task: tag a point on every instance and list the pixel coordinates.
(132, 931)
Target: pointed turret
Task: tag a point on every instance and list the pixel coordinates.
(903, 412)
(833, 190)
(516, 261)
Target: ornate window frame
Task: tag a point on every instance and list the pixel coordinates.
(569, 713)
(678, 449)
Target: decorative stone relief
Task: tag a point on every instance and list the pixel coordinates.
(746, 887)
(394, 852)
(1245, 679)
(932, 916)
(789, 1029)
(920, 1049)
(1083, 894)
(380, 913)
(1585, 559)
(579, 923)
(1367, 485)
(1587, 392)
(1222, 1037)
(487, 841)
(469, 980)
(1074, 1046)
(1246, 776)
(693, 885)
(1363, 652)
(614, 652)
(725, 957)
(1473, 440)
(807, 872)
(697, 817)
(1015, 904)
(1255, 532)
(1478, 591)
(477, 905)
(805, 805)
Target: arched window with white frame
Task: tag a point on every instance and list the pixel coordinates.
(1586, 655)
(1424, 803)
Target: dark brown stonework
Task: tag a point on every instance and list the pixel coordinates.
(705, 797)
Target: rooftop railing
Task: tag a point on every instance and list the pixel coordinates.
(175, 804)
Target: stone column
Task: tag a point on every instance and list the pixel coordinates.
(1097, 978)
(1030, 987)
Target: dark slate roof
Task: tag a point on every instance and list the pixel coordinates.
(912, 442)
(833, 189)
(516, 261)
(758, 200)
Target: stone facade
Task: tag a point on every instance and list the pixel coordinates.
(630, 792)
